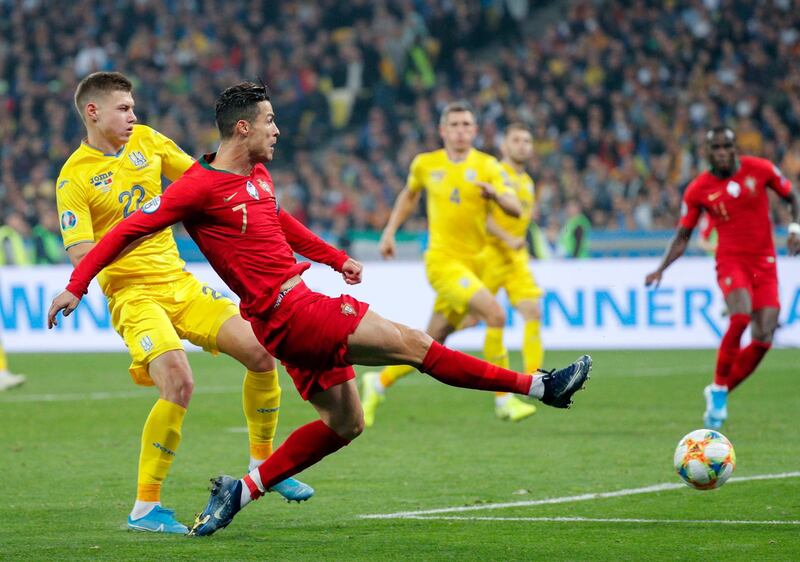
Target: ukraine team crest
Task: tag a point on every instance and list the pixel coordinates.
(138, 159)
(251, 189)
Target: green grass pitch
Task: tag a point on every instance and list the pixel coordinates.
(69, 442)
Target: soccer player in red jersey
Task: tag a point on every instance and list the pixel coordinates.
(734, 194)
(227, 203)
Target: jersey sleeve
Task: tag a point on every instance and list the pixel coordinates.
(180, 201)
(174, 161)
(498, 177)
(690, 208)
(777, 181)
(416, 175)
(73, 210)
(308, 244)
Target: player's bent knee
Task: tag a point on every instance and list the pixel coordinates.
(496, 318)
(260, 360)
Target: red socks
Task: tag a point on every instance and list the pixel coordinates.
(305, 446)
(459, 369)
(746, 362)
(729, 348)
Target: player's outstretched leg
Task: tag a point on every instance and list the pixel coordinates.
(716, 406)
(559, 385)
(222, 506)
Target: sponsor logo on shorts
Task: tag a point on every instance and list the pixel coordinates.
(163, 449)
(69, 220)
(146, 343)
(348, 310)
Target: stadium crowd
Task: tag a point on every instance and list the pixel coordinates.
(617, 94)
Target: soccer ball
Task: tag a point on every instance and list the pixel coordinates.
(704, 459)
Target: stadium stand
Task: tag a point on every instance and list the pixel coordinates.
(617, 95)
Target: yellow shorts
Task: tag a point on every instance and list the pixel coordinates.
(509, 270)
(455, 281)
(153, 318)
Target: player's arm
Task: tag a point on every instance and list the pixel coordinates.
(311, 246)
(179, 202)
(499, 190)
(690, 215)
(405, 205)
(781, 185)
(513, 242)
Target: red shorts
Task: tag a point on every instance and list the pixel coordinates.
(758, 275)
(308, 332)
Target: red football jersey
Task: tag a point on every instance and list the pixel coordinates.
(236, 222)
(738, 206)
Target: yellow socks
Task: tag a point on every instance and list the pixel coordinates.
(532, 349)
(261, 400)
(494, 351)
(160, 439)
(390, 375)
(3, 361)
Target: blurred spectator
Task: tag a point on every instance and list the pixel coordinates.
(618, 94)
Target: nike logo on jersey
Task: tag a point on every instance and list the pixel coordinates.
(714, 196)
(229, 197)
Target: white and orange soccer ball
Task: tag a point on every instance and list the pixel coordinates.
(704, 459)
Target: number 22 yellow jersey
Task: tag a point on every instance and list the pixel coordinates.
(95, 191)
(456, 210)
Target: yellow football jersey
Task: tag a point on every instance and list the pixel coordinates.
(524, 188)
(95, 191)
(456, 210)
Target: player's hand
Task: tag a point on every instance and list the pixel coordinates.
(516, 243)
(67, 302)
(487, 190)
(793, 244)
(654, 277)
(351, 271)
(387, 246)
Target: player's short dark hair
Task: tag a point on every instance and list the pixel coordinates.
(517, 126)
(99, 83)
(459, 106)
(721, 130)
(239, 102)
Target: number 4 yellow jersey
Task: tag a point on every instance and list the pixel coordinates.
(95, 191)
(456, 210)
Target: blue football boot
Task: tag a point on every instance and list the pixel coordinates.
(293, 490)
(222, 506)
(716, 407)
(158, 520)
(560, 385)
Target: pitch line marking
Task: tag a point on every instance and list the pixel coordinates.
(597, 520)
(565, 499)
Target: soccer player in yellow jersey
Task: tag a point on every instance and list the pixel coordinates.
(460, 184)
(506, 261)
(154, 302)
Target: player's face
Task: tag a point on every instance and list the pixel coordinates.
(722, 152)
(264, 134)
(518, 146)
(112, 114)
(458, 130)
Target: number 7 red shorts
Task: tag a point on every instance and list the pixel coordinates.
(308, 332)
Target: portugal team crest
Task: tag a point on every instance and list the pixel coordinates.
(251, 189)
(348, 310)
(750, 183)
(264, 185)
(734, 189)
